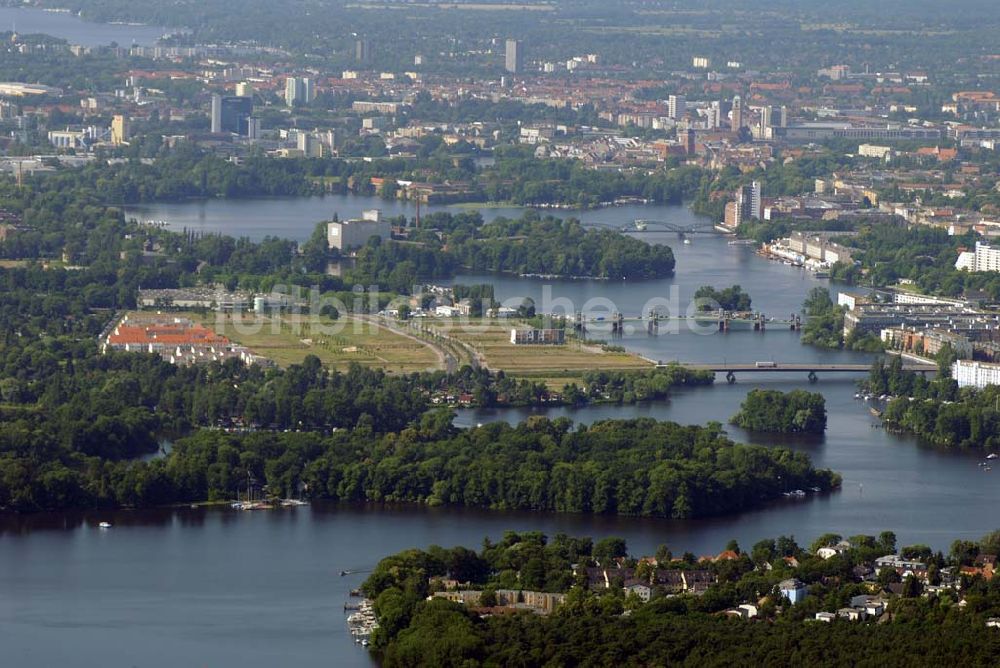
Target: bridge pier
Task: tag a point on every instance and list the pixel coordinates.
(618, 324)
(812, 377)
(730, 377)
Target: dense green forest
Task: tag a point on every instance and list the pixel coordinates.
(443, 634)
(639, 467)
(531, 244)
(589, 628)
(551, 245)
(785, 412)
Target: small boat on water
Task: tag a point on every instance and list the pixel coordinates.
(105, 525)
(876, 412)
(687, 241)
(992, 455)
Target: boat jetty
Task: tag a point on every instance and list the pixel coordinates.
(362, 622)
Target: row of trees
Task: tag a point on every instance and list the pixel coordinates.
(731, 299)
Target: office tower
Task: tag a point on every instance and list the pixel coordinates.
(253, 128)
(514, 56)
(363, 50)
(230, 114)
(737, 122)
(119, 130)
(216, 114)
(676, 107)
(756, 205)
(690, 145)
(244, 89)
(748, 204)
(298, 90)
(713, 117)
(774, 117)
(303, 141)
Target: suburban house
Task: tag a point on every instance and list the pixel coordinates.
(829, 551)
(640, 589)
(851, 614)
(902, 566)
(792, 589)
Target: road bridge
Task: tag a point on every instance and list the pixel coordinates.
(642, 225)
(810, 368)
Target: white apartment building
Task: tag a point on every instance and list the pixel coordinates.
(969, 373)
(984, 258)
(356, 233)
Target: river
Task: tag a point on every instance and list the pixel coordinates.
(220, 587)
(73, 29)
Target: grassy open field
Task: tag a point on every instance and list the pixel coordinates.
(557, 365)
(287, 339)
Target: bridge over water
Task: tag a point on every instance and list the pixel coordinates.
(642, 225)
(810, 368)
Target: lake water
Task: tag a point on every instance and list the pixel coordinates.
(286, 217)
(28, 21)
(219, 587)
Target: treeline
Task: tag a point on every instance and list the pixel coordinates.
(924, 255)
(550, 245)
(730, 299)
(531, 244)
(586, 634)
(638, 467)
(186, 172)
(824, 325)
(112, 405)
(785, 412)
(521, 178)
